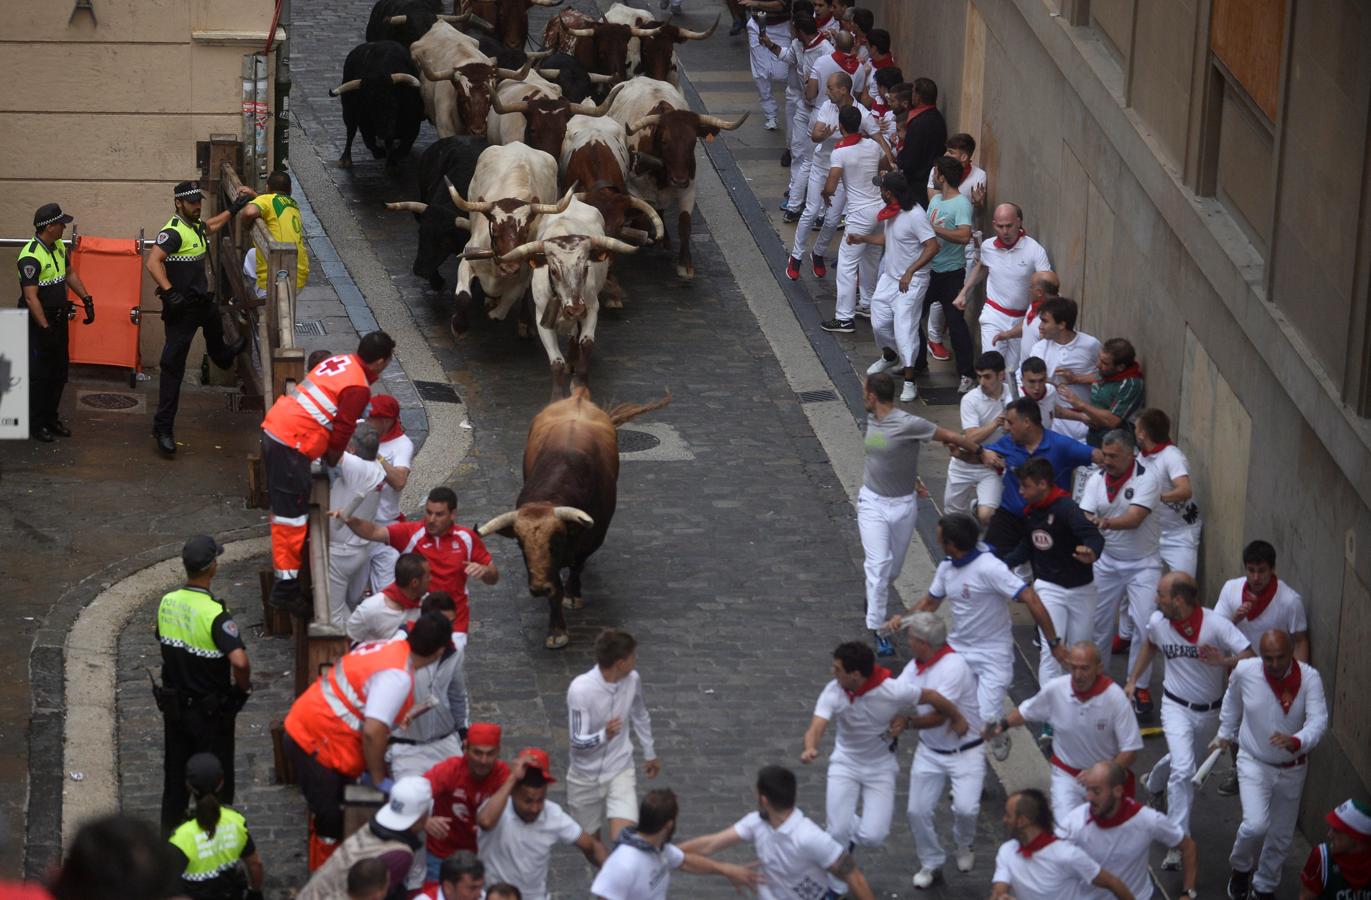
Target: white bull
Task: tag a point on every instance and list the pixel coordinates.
(621, 14)
(458, 80)
(508, 128)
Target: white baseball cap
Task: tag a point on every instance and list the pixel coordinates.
(410, 800)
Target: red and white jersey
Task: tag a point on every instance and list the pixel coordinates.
(1187, 676)
(979, 590)
(1141, 543)
(1168, 464)
(862, 738)
(950, 676)
(1086, 729)
(1011, 270)
(1121, 843)
(1294, 705)
(1285, 611)
(1055, 870)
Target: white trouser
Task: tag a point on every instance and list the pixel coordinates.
(1137, 579)
(814, 208)
(872, 786)
(1072, 611)
(928, 774)
(766, 68)
(971, 487)
(886, 525)
(1188, 734)
(1181, 548)
(858, 264)
(895, 316)
(1067, 794)
(801, 154)
(994, 668)
(793, 99)
(1270, 804)
(992, 323)
(347, 579)
(383, 559)
(416, 759)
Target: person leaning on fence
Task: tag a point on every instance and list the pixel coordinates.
(281, 214)
(177, 266)
(215, 840)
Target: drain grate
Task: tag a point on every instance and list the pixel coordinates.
(631, 441)
(437, 392)
(816, 396)
(109, 401)
(311, 328)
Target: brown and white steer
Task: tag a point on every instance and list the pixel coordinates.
(662, 130)
(458, 80)
(571, 481)
(508, 18)
(538, 116)
(651, 45)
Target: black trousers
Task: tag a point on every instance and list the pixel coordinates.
(943, 288)
(48, 364)
(1004, 531)
(323, 790)
(180, 332)
(193, 731)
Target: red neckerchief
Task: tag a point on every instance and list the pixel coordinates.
(1355, 867)
(1052, 497)
(824, 21)
(878, 674)
(880, 109)
(1259, 601)
(1189, 627)
(1112, 485)
(394, 431)
(1287, 687)
(1033, 307)
(1157, 448)
(966, 171)
(922, 667)
(848, 62)
(818, 39)
(917, 111)
(393, 591)
(1102, 683)
(890, 211)
(847, 141)
(1003, 246)
(1127, 810)
(1039, 842)
(883, 62)
(1132, 371)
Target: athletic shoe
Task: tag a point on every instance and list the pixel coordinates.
(818, 223)
(999, 747)
(770, 124)
(838, 326)
(842, 222)
(925, 877)
(864, 312)
(1229, 786)
(883, 364)
(784, 205)
(909, 392)
(966, 859)
(1045, 738)
(1142, 703)
(1119, 644)
(820, 267)
(1239, 885)
(965, 385)
(791, 217)
(938, 351)
(792, 268)
(786, 158)
(1172, 861)
(883, 646)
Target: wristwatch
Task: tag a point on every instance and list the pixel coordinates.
(1190, 892)
(1054, 643)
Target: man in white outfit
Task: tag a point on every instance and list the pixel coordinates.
(379, 616)
(1034, 865)
(1180, 515)
(942, 755)
(1200, 647)
(974, 488)
(767, 67)
(799, 54)
(358, 476)
(1065, 351)
(1280, 704)
(600, 779)
(1041, 288)
(855, 167)
(397, 454)
(1010, 261)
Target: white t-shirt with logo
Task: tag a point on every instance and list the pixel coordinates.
(860, 163)
(795, 857)
(399, 453)
(979, 409)
(979, 592)
(1123, 849)
(1084, 732)
(1187, 676)
(1285, 611)
(1011, 270)
(631, 873)
(1168, 464)
(1141, 543)
(828, 115)
(1059, 871)
(953, 678)
(863, 723)
(905, 234)
(518, 852)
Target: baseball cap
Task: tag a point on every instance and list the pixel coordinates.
(200, 551)
(384, 406)
(1351, 818)
(204, 772)
(410, 800)
(49, 213)
(537, 759)
(187, 190)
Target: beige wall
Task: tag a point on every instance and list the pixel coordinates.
(104, 117)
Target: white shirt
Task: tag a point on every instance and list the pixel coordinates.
(795, 857)
(1141, 543)
(1031, 334)
(443, 683)
(1059, 871)
(1079, 355)
(1048, 406)
(979, 409)
(387, 692)
(1285, 611)
(518, 852)
(862, 738)
(375, 620)
(860, 163)
(1122, 849)
(1012, 269)
(905, 234)
(1187, 676)
(1251, 699)
(634, 874)
(980, 592)
(969, 184)
(399, 453)
(591, 703)
(826, 65)
(1168, 464)
(804, 67)
(354, 476)
(828, 115)
(953, 678)
(1084, 732)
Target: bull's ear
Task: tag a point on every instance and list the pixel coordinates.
(708, 133)
(537, 261)
(599, 256)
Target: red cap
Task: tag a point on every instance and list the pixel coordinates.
(483, 734)
(537, 759)
(384, 406)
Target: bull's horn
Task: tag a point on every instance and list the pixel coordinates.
(724, 124)
(698, 35)
(433, 75)
(658, 229)
(597, 78)
(522, 252)
(572, 514)
(637, 32)
(345, 87)
(499, 523)
(585, 109)
(462, 222)
(550, 74)
(648, 160)
(476, 21)
(513, 75)
(474, 255)
(581, 32)
(397, 20)
(546, 2)
(404, 78)
(413, 206)
(645, 122)
(538, 55)
(518, 106)
(602, 242)
(455, 20)
(549, 209)
(461, 204)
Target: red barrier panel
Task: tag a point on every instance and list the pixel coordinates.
(112, 270)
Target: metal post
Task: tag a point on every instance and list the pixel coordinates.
(281, 144)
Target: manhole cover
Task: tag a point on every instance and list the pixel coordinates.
(635, 441)
(109, 401)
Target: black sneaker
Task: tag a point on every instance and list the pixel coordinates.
(818, 224)
(790, 217)
(840, 326)
(785, 158)
(1239, 885)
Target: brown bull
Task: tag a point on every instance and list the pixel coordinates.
(571, 476)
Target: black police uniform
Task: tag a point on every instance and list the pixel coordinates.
(45, 267)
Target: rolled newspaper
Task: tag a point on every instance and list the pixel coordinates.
(354, 503)
(1206, 767)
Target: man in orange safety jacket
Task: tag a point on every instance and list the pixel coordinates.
(338, 729)
(314, 419)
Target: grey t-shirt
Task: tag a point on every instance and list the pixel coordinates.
(892, 452)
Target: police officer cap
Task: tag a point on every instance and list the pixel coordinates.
(199, 552)
(204, 772)
(49, 213)
(187, 190)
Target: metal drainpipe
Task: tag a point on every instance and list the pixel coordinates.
(281, 142)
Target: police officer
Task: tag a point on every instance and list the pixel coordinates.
(215, 840)
(43, 279)
(201, 646)
(177, 265)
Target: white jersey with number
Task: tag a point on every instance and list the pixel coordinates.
(1188, 676)
(980, 592)
(1121, 847)
(1143, 542)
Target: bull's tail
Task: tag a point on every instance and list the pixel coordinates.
(625, 412)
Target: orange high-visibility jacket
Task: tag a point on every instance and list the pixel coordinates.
(303, 418)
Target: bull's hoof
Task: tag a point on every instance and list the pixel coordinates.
(345, 162)
(573, 602)
(614, 303)
(555, 642)
(686, 270)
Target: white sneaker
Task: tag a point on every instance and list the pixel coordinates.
(770, 124)
(882, 365)
(965, 385)
(966, 859)
(909, 392)
(1172, 861)
(925, 877)
(1000, 747)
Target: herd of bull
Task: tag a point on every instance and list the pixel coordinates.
(548, 163)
